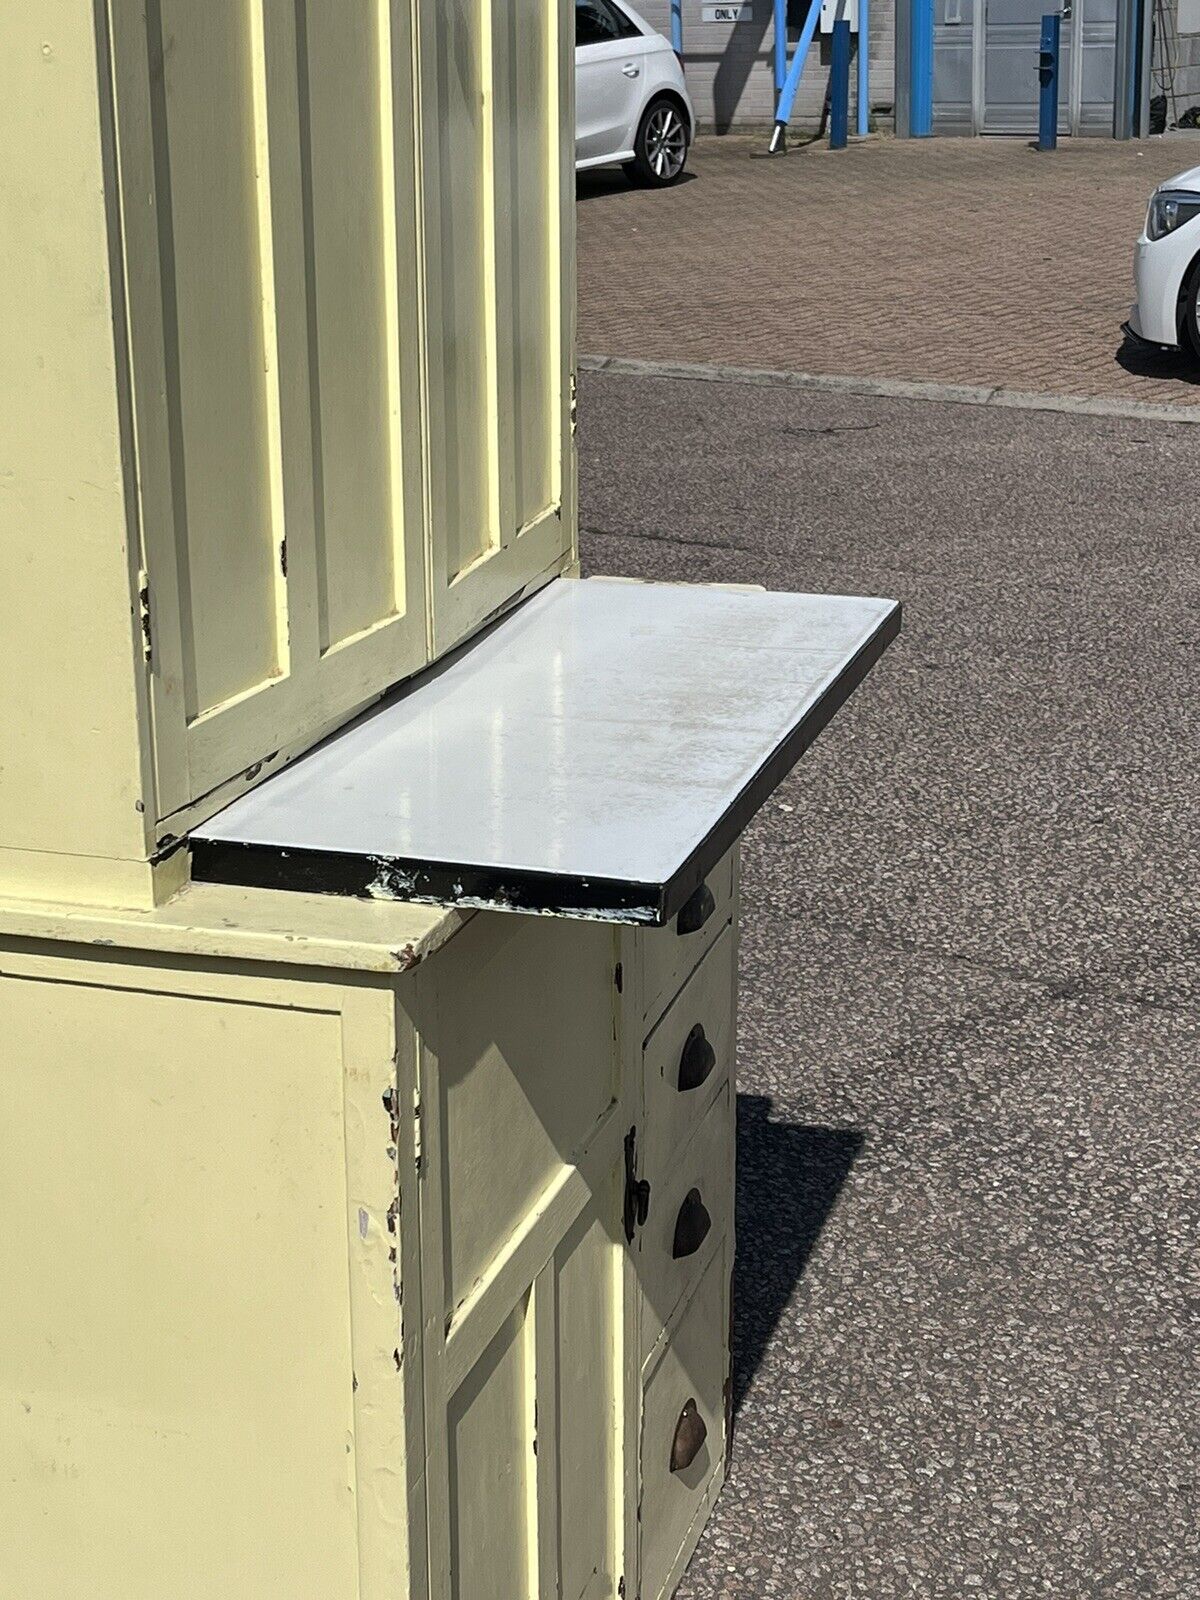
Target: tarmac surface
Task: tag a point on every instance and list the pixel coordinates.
(975, 261)
(967, 1335)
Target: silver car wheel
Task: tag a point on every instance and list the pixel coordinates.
(666, 143)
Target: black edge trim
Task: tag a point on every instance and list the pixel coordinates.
(722, 836)
(258, 866)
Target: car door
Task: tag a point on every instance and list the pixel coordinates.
(609, 78)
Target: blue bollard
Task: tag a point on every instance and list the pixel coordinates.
(1048, 79)
(839, 87)
(920, 94)
(677, 28)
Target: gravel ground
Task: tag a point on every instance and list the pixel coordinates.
(968, 1288)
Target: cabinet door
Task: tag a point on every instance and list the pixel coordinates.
(496, 121)
(269, 242)
(526, 1327)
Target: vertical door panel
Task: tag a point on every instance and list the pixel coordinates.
(460, 314)
(496, 117)
(491, 1459)
(526, 260)
(217, 392)
(342, 139)
(268, 215)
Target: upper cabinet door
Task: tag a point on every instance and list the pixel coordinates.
(269, 233)
(496, 119)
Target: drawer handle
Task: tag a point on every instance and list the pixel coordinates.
(690, 1434)
(696, 912)
(696, 1061)
(692, 1226)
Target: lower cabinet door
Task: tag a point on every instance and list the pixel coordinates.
(683, 1433)
(533, 1433)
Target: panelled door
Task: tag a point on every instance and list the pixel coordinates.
(268, 208)
(497, 99)
(528, 1347)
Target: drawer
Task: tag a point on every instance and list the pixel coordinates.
(689, 1056)
(669, 954)
(689, 1215)
(683, 1432)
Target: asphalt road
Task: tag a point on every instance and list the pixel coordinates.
(968, 1315)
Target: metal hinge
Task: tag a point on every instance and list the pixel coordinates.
(144, 617)
(637, 1190)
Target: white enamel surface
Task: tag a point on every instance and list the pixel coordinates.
(600, 731)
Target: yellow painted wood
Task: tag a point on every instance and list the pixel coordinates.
(667, 957)
(706, 1001)
(692, 1369)
(317, 1120)
(179, 1351)
(496, 110)
(287, 390)
(72, 773)
(270, 244)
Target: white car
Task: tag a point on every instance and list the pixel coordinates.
(1166, 268)
(631, 103)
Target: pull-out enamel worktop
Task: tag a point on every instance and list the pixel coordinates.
(594, 754)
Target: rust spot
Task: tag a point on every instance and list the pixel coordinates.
(405, 957)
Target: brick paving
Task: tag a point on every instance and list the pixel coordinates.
(952, 260)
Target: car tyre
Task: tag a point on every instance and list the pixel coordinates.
(661, 148)
(1189, 333)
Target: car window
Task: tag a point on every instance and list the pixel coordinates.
(598, 22)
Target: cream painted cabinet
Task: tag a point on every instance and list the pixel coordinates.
(326, 1267)
(286, 395)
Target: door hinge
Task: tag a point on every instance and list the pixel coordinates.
(637, 1190)
(144, 617)
(418, 1140)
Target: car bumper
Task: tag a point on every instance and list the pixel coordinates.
(1159, 269)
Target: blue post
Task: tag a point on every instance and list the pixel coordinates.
(677, 27)
(920, 95)
(781, 12)
(839, 82)
(1048, 79)
(783, 111)
(863, 108)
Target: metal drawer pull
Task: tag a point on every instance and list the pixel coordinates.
(696, 1061)
(696, 912)
(691, 1226)
(690, 1434)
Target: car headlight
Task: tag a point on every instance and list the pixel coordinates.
(1170, 209)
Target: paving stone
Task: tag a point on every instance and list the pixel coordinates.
(977, 261)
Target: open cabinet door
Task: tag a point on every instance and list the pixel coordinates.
(497, 94)
(268, 242)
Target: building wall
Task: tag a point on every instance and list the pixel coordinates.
(730, 69)
(1186, 60)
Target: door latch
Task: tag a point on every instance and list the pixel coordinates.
(637, 1190)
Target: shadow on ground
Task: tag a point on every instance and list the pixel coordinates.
(789, 1177)
(599, 183)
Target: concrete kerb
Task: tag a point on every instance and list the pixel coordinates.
(892, 389)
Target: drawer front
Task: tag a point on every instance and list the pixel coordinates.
(689, 1216)
(689, 1057)
(683, 1430)
(669, 954)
